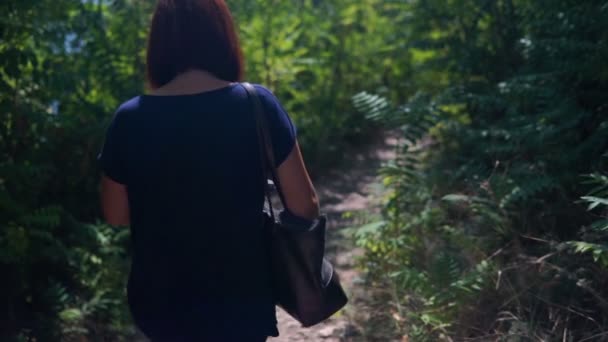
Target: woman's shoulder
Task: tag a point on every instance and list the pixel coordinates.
(137, 103)
(266, 95)
(264, 91)
(130, 106)
(126, 109)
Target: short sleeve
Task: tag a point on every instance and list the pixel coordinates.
(111, 159)
(282, 129)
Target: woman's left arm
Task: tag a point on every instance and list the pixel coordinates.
(114, 202)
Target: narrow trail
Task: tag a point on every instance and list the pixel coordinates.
(349, 196)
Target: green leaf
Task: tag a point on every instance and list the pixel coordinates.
(595, 201)
(456, 198)
(370, 228)
(71, 315)
(601, 225)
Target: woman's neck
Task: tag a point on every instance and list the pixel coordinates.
(191, 82)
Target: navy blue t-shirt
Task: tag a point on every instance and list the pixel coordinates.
(193, 175)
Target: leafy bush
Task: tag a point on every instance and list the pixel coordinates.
(484, 233)
(315, 55)
(63, 273)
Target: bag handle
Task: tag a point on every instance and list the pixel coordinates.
(266, 153)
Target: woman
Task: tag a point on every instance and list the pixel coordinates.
(181, 167)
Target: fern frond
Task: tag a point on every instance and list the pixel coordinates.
(526, 189)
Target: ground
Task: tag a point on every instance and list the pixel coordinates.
(349, 196)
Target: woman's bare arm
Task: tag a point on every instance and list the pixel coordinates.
(114, 202)
(297, 187)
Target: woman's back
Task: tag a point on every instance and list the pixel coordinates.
(191, 167)
(182, 168)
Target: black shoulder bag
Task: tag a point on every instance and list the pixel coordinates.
(305, 283)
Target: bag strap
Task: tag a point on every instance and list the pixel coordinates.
(266, 153)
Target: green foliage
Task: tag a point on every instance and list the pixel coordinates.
(315, 55)
(595, 234)
(485, 231)
(484, 234)
(65, 66)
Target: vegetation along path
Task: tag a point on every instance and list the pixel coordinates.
(349, 196)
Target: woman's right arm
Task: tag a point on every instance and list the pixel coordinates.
(300, 196)
(298, 190)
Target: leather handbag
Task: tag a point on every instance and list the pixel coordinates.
(305, 284)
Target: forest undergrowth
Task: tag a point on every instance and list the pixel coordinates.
(496, 225)
(495, 222)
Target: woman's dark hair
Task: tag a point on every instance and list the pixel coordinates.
(192, 34)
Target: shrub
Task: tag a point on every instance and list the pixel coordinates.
(485, 235)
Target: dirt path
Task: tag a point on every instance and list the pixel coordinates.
(349, 196)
